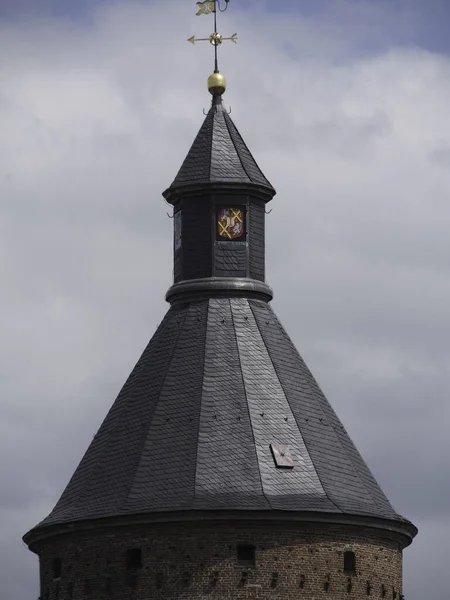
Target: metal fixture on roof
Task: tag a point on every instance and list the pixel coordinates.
(216, 82)
(282, 456)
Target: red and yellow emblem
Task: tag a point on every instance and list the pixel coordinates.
(230, 223)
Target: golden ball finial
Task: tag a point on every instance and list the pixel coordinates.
(217, 84)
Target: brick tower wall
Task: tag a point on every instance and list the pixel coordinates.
(213, 561)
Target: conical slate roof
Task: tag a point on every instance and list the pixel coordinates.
(219, 154)
(191, 430)
(220, 415)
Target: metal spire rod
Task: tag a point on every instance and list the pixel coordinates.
(216, 61)
(205, 8)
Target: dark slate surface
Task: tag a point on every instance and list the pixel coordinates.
(230, 259)
(106, 472)
(191, 429)
(344, 475)
(233, 482)
(219, 154)
(196, 247)
(256, 239)
(165, 474)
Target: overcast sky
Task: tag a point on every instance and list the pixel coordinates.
(345, 106)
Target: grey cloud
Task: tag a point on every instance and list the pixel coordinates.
(95, 124)
(351, 136)
(440, 156)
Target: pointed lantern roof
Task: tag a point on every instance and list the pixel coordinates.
(219, 155)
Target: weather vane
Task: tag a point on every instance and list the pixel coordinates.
(216, 82)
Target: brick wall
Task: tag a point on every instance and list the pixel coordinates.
(187, 562)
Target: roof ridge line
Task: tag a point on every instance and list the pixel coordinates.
(349, 458)
(213, 112)
(332, 425)
(234, 144)
(247, 405)
(125, 500)
(200, 405)
(133, 375)
(290, 407)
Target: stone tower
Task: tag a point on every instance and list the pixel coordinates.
(221, 471)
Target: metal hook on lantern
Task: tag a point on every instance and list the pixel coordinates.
(226, 5)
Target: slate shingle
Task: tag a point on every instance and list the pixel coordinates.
(192, 427)
(219, 382)
(219, 154)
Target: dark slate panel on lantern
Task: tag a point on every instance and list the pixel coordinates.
(230, 259)
(227, 465)
(196, 248)
(256, 240)
(177, 249)
(178, 266)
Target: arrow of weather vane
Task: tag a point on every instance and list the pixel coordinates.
(215, 39)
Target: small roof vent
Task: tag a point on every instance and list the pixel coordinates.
(282, 456)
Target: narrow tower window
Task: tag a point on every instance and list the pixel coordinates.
(349, 562)
(56, 568)
(243, 580)
(159, 581)
(246, 555)
(70, 587)
(214, 578)
(134, 558)
(177, 230)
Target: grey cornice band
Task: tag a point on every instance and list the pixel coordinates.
(402, 531)
(219, 286)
